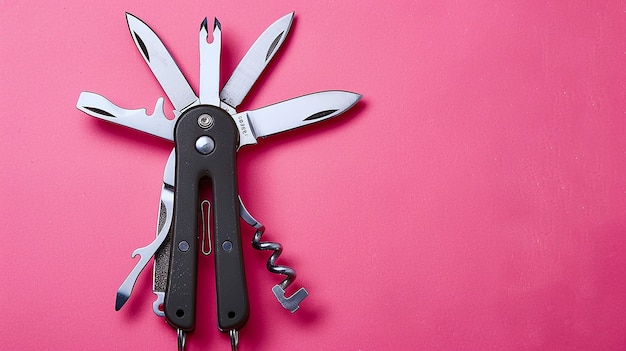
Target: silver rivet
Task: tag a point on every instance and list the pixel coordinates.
(227, 246)
(205, 145)
(183, 246)
(205, 121)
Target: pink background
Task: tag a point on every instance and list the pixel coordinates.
(475, 199)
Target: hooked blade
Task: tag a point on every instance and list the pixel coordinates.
(164, 226)
(293, 113)
(100, 107)
(161, 64)
(254, 62)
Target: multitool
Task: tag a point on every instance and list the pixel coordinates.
(207, 131)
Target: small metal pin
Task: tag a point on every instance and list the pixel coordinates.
(234, 339)
(227, 246)
(181, 339)
(205, 208)
(183, 246)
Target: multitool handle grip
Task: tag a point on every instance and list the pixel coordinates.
(206, 141)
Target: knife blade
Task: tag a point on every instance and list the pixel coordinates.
(292, 113)
(161, 64)
(255, 60)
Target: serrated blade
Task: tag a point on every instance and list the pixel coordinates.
(255, 61)
(161, 64)
(294, 113)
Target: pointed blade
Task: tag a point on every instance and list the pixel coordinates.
(210, 64)
(255, 61)
(293, 113)
(161, 64)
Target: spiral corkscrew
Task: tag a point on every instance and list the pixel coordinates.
(292, 303)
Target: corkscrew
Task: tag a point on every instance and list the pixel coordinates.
(291, 303)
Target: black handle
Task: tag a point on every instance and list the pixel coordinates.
(206, 152)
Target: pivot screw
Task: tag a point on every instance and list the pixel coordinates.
(206, 121)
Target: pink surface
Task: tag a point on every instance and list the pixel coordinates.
(474, 200)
